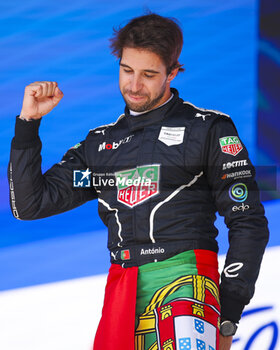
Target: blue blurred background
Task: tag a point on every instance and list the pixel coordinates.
(228, 68)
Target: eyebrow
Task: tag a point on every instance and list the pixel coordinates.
(145, 70)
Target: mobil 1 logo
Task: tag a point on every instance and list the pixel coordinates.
(114, 145)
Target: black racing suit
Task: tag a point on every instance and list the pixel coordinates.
(159, 178)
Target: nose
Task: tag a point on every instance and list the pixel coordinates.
(135, 83)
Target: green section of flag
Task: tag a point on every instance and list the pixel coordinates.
(153, 276)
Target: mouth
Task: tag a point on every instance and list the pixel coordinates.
(135, 98)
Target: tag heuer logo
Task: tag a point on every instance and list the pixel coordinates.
(230, 145)
(138, 184)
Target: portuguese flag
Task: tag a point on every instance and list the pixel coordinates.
(142, 304)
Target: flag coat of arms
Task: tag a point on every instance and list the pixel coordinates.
(182, 329)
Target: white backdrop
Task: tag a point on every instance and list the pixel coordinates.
(65, 315)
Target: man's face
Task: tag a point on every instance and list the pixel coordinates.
(143, 81)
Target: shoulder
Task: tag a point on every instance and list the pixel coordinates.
(104, 128)
(203, 120)
(204, 114)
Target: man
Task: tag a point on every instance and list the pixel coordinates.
(161, 171)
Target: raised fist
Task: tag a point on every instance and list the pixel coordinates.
(39, 99)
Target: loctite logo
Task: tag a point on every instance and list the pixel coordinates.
(114, 145)
(235, 164)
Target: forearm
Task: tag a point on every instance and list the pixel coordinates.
(243, 261)
(34, 195)
(25, 153)
(225, 343)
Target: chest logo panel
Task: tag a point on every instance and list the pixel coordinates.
(138, 184)
(171, 135)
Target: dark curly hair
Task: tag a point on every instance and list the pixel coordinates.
(160, 35)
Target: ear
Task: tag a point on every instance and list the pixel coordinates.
(172, 74)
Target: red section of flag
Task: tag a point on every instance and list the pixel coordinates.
(116, 329)
(207, 265)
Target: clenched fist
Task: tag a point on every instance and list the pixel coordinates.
(39, 99)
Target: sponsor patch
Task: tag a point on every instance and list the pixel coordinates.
(138, 184)
(108, 146)
(230, 145)
(114, 255)
(238, 192)
(235, 164)
(237, 175)
(230, 271)
(241, 207)
(171, 135)
(125, 254)
(203, 116)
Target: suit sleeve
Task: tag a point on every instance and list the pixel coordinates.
(231, 176)
(34, 195)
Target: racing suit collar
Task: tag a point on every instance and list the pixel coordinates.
(153, 116)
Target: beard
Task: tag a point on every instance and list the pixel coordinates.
(146, 105)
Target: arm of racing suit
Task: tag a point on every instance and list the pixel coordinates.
(232, 180)
(34, 195)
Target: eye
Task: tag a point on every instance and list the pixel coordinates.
(149, 75)
(127, 70)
